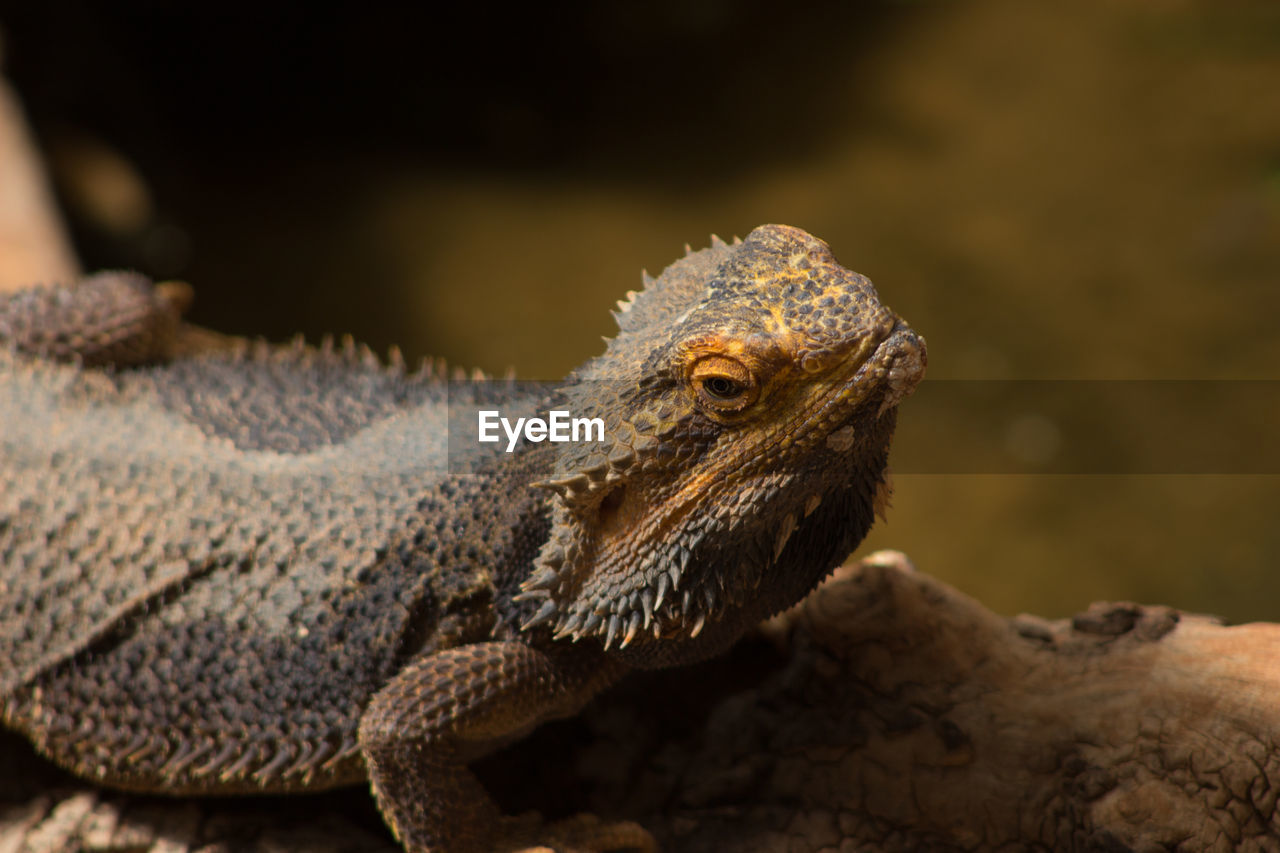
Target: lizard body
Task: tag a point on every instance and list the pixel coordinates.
(277, 569)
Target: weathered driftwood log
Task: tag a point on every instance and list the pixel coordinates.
(887, 712)
(908, 717)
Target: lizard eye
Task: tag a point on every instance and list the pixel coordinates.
(721, 387)
(723, 384)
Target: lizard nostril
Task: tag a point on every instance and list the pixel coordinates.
(812, 363)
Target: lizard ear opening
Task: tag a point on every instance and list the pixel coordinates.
(610, 506)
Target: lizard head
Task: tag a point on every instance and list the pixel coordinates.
(748, 403)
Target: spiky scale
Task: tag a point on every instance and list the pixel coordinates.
(684, 555)
(302, 760)
(552, 485)
(213, 765)
(646, 602)
(633, 628)
(784, 533)
(615, 625)
(237, 767)
(318, 759)
(395, 360)
(577, 483)
(663, 587)
(545, 578)
(139, 742)
(272, 768)
(571, 625)
(545, 612)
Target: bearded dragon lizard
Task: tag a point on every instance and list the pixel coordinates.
(274, 569)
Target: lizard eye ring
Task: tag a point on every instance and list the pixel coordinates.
(722, 384)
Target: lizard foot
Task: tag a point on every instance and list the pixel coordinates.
(586, 833)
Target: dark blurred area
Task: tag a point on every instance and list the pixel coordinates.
(327, 155)
(1085, 191)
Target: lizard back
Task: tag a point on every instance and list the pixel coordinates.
(252, 485)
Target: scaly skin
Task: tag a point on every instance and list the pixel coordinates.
(269, 570)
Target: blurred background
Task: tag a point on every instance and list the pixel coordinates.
(1085, 191)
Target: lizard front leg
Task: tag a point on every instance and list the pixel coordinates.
(447, 706)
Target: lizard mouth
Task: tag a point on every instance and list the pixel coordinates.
(900, 359)
(873, 380)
